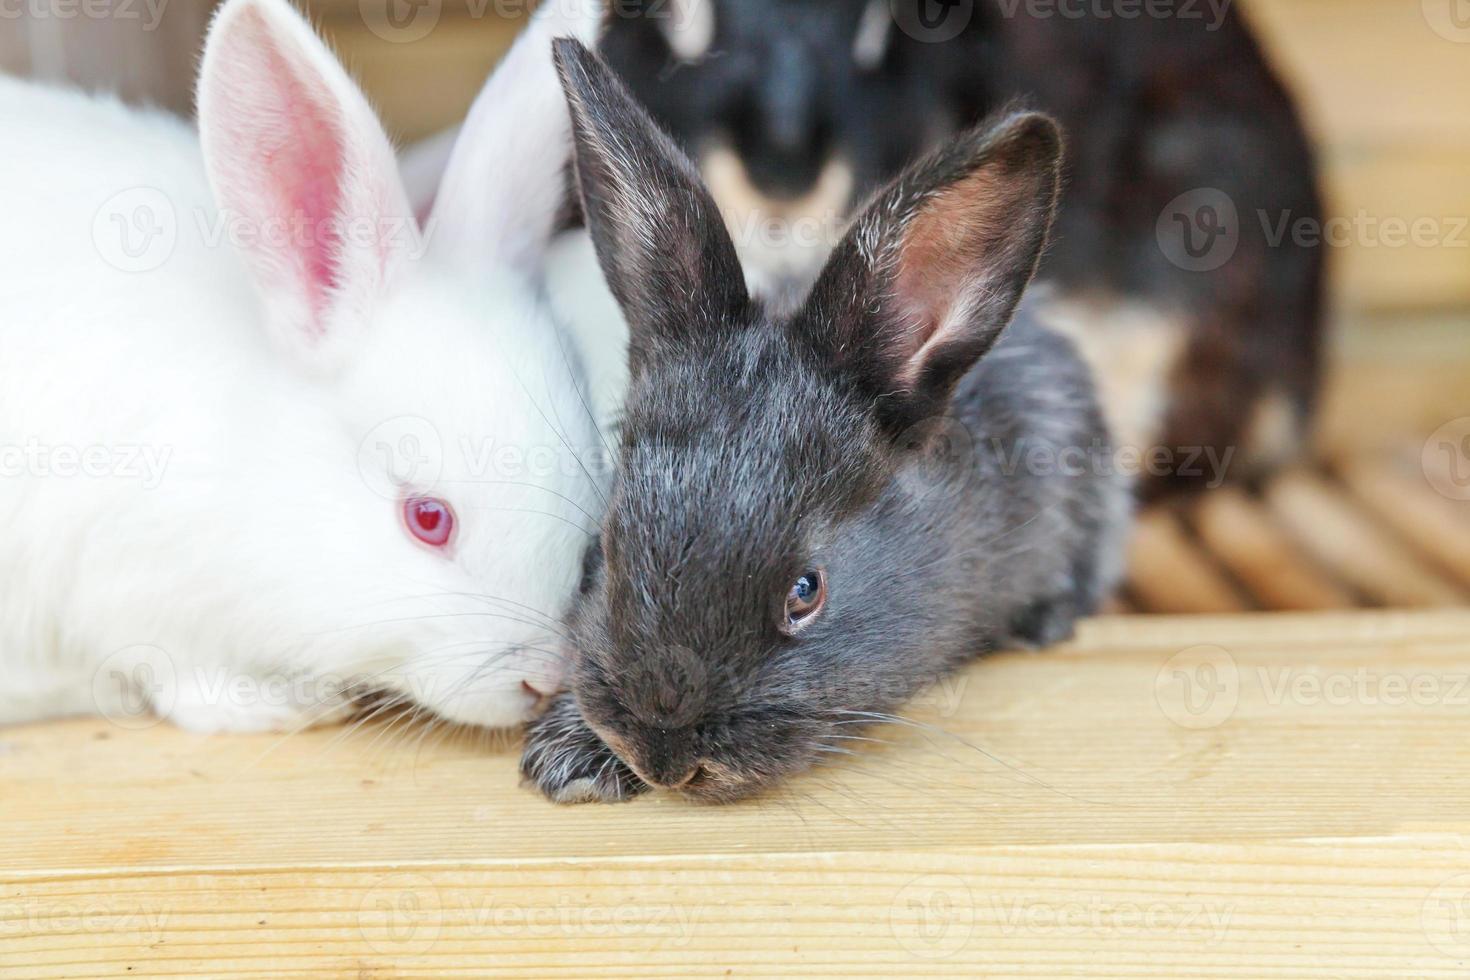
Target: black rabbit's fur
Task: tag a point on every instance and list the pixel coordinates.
(950, 476)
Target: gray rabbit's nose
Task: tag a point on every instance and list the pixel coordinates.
(679, 777)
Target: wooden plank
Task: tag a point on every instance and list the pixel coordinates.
(1241, 534)
(1398, 235)
(1341, 537)
(1169, 573)
(1437, 526)
(422, 86)
(1275, 796)
(1300, 910)
(1370, 71)
(1392, 381)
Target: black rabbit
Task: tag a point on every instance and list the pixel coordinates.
(818, 512)
(1185, 157)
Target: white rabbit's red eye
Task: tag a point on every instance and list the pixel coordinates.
(429, 519)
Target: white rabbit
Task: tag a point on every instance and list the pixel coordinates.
(243, 397)
(575, 285)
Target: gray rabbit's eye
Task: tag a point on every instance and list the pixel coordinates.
(805, 599)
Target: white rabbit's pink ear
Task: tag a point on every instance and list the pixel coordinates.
(303, 173)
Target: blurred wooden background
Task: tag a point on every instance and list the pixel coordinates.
(1383, 83)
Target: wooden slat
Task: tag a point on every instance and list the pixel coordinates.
(1367, 70)
(1242, 535)
(1375, 197)
(1233, 797)
(1436, 525)
(1168, 573)
(425, 85)
(1390, 382)
(1342, 537)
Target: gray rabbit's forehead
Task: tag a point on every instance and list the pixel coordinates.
(731, 464)
(750, 432)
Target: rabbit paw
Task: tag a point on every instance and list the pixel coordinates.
(1043, 623)
(567, 762)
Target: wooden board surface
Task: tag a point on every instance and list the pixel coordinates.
(1386, 530)
(1248, 796)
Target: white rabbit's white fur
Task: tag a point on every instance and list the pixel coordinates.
(249, 410)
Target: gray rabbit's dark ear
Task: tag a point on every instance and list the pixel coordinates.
(930, 273)
(659, 238)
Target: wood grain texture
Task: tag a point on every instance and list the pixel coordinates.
(1359, 549)
(1391, 382)
(1370, 77)
(1242, 535)
(1169, 573)
(1438, 526)
(1257, 796)
(422, 86)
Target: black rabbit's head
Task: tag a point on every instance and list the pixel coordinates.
(794, 110)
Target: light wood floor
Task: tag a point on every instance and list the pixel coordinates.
(1257, 796)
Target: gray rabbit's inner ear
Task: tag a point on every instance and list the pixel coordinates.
(659, 238)
(931, 272)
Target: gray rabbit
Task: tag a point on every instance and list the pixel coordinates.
(819, 512)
